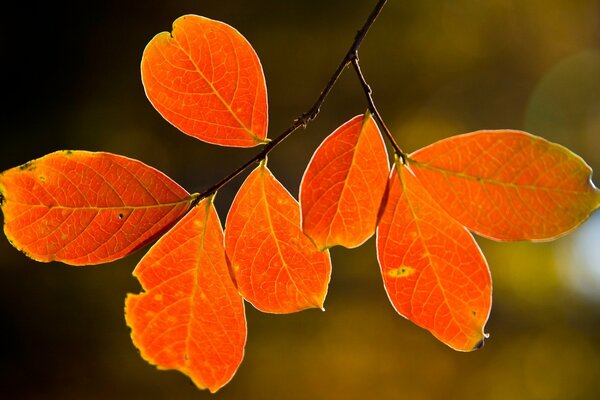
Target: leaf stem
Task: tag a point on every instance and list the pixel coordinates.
(374, 111)
(349, 58)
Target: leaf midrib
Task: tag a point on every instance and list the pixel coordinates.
(188, 334)
(429, 255)
(491, 181)
(102, 208)
(247, 130)
(276, 240)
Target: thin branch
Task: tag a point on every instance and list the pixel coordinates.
(309, 115)
(374, 111)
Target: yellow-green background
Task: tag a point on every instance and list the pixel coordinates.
(69, 79)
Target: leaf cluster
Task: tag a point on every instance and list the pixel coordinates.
(84, 208)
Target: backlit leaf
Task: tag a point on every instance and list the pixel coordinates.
(508, 185)
(190, 317)
(343, 185)
(206, 79)
(433, 271)
(277, 267)
(81, 208)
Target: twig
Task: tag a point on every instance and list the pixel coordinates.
(374, 111)
(309, 115)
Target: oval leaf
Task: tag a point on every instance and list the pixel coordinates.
(82, 208)
(432, 269)
(277, 267)
(206, 80)
(343, 185)
(190, 317)
(508, 185)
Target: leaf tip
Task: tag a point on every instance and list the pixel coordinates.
(213, 390)
(479, 345)
(318, 302)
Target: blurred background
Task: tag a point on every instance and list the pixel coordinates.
(70, 80)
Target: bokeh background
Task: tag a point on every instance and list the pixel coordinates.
(70, 80)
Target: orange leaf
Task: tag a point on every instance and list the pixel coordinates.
(432, 268)
(206, 80)
(81, 208)
(508, 185)
(191, 317)
(277, 268)
(343, 185)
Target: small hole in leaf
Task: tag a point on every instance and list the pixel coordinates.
(120, 216)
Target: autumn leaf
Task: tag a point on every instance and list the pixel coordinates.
(206, 80)
(432, 269)
(343, 185)
(277, 268)
(81, 208)
(190, 317)
(508, 185)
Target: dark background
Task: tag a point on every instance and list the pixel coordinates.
(70, 80)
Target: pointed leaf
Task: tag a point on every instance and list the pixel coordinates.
(432, 268)
(343, 185)
(190, 317)
(81, 208)
(206, 80)
(277, 268)
(508, 185)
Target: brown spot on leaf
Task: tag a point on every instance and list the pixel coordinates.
(401, 272)
(28, 166)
